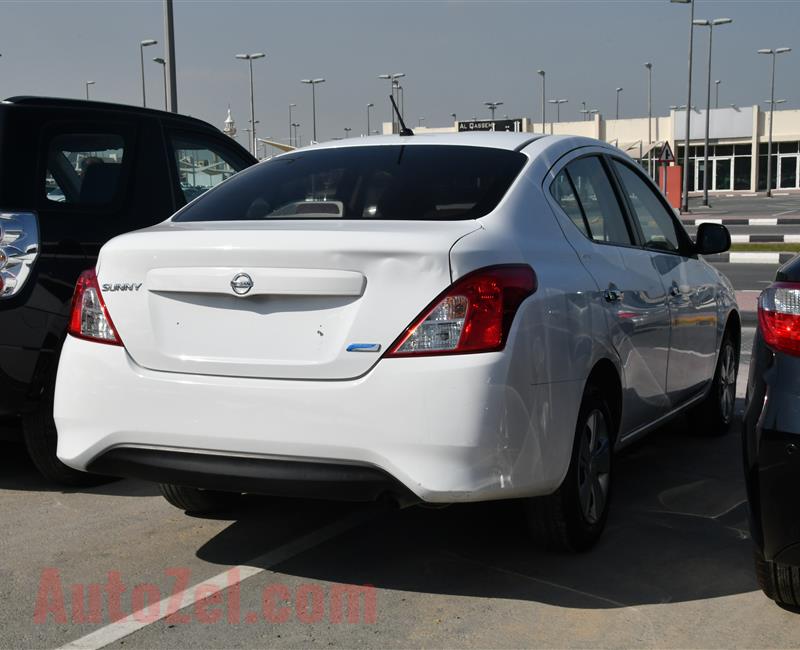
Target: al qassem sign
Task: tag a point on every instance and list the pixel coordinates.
(491, 125)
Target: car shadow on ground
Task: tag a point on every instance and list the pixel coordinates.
(677, 532)
(17, 472)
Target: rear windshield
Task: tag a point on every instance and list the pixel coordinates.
(393, 182)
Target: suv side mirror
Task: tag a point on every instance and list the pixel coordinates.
(712, 238)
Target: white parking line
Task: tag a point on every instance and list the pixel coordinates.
(780, 194)
(113, 632)
(786, 212)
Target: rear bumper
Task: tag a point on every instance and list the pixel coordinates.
(253, 475)
(451, 428)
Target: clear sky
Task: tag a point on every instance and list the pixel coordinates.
(456, 55)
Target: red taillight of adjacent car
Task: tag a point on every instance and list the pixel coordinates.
(779, 317)
(473, 315)
(89, 318)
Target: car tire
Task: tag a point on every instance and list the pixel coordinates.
(715, 414)
(574, 516)
(779, 582)
(41, 440)
(198, 501)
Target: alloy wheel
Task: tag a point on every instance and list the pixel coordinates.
(594, 466)
(727, 382)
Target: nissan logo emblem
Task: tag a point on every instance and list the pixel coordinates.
(241, 284)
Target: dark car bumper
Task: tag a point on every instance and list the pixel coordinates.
(253, 475)
(772, 453)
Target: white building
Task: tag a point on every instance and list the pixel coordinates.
(737, 138)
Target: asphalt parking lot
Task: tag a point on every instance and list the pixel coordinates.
(674, 568)
(781, 204)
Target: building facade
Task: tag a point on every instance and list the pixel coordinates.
(737, 152)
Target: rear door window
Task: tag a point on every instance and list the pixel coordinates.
(202, 163)
(391, 182)
(84, 168)
(598, 202)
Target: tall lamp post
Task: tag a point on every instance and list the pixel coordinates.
(541, 73)
(163, 65)
(392, 79)
(649, 67)
(291, 106)
(250, 58)
(455, 119)
(295, 126)
(88, 83)
(717, 82)
(711, 24)
(347, 130)
(619, 90)
(143, 44)
(492, 106)
(685, 197)
(558, 103)
(772, 102)
(313, 83)
(370, 106)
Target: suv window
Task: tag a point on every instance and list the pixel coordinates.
(658, 226)
(84, 168)
(598, 202)
(389, 182)
(202, 164)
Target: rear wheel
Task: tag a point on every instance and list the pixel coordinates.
(715, 414)
(196, 500)
(780, 582)
(573, 517)
(41, 440)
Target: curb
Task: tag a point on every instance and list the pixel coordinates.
(759, 221)
(749, 258)
(765, 239)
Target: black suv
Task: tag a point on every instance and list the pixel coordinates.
(74, 174)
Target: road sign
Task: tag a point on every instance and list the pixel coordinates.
(491, 125)
(666, 155)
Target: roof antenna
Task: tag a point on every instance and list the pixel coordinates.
(404, 130)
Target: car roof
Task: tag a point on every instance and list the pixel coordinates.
(491, 139)
(65, 102)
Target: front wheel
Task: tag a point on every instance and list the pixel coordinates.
(574, 516)
(715, 413)
(779, 582)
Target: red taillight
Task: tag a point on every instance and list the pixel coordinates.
(89, 318)
(473, 315)
(779, 317)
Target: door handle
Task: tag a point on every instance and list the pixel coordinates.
(612, 295)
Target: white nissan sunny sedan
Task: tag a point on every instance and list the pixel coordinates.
(438, 319)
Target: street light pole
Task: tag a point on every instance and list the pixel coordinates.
(619, 90)
(392, 79)
(88, 83)
(711, 24)
(455, 119)
(685, 198)
(163, 65)
(542, 74)
(291, 106)
(142, 45)
(772, 102)
(558, 103)
(347, 130)
(313, 83)
(649, 67)
(492, 107)
(250, 58)
(717, 82)
(169, 55)
(369, 107)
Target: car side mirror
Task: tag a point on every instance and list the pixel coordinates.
(712, 238)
